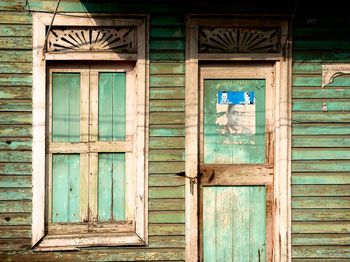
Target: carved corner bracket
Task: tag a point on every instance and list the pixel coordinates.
(331, 71)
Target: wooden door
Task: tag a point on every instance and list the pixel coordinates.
(236, 162)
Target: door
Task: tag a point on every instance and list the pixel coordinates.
(236, 162)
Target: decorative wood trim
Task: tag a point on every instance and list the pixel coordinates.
(139, 71)
(239, 57)
(119, 39)
(282, 126)
(88, 240)
(91, 56)
(329, 72)
(239, 40)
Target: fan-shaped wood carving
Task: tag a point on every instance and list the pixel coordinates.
(92, 39)
(239, 40)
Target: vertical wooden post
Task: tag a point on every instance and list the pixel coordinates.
(191, 141)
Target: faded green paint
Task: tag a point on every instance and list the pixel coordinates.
(224, 141)
(167, 80)
(111, 187)
(65, 188)
(112, 106)
(166, 192)
(166, 68)
(66, 107)
(317, 105)
(320, 179)
(234, 223)
(322, 141)
(322, 129)
(164, 131)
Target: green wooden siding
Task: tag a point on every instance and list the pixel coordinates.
(234, 223)
(15, 127)
(320, 143)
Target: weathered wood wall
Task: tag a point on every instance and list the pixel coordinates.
(321, 159)
(320, 141)
(15, 126)
(166, 145)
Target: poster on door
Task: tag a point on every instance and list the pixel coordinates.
(235, 113)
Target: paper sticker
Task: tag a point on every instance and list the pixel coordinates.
(235, 113)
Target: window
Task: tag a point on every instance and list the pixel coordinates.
(89, 126)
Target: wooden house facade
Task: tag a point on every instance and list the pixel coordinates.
(174, 131)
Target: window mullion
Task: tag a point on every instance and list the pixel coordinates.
(84, 138)
(93, 137)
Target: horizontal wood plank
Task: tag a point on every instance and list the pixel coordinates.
(15, 181)
(166, 204)
(167, 93)
(320, 215)
(15, 206)
(15, 194)
(15, 156)
(166, 192)
(321, 202)
(160, 68)
(167, 142)
(18, 92)
(320, 239)
(321, 129)
(321, 141)
(15, 219)
(321, 252)
(16, 168)
(165, 180)
(14, 143)
(166, 217)
(167, 155)
(321, 166)
(165, 167)
(320, 178)
(15, 131)
(320, 227)
(159, 229)
(321, 190)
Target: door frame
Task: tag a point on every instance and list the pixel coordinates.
(256, 174)
(281, 238)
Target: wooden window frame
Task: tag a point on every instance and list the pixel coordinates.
(121, 236)
(281, 238)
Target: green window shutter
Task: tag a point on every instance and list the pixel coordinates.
(66, 107)
(65, 188)
(112, 106)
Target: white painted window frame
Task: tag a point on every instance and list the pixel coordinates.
(41, 22)
(282, 172)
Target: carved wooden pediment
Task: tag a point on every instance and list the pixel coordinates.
(121, 39)
(239, 40)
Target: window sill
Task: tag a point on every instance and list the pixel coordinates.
(77, 241)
